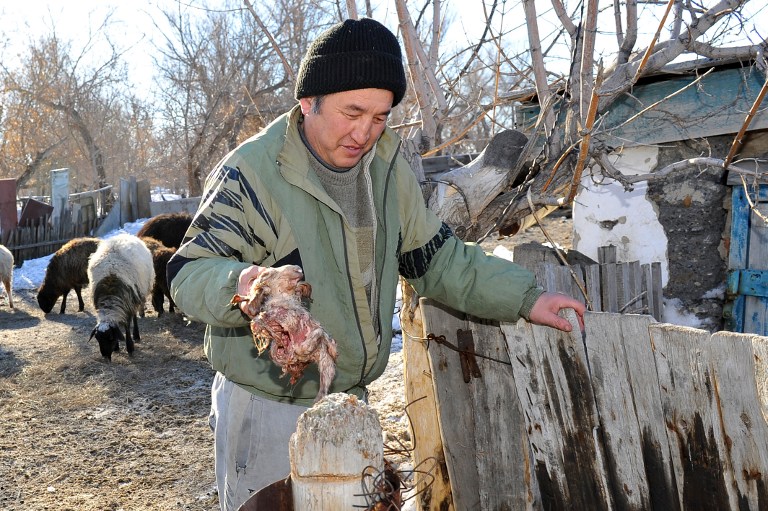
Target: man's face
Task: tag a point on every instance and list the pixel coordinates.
(347, 124)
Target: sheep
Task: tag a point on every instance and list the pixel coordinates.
(6, 272)
(167, 228)
(160, 256)
(67, 269)
(121, 274)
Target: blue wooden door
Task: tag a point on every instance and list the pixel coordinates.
(746, 307)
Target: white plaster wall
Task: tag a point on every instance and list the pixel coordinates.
(636, 231)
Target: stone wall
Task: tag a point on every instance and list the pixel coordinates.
(681, 220)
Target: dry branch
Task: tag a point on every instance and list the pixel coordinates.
(587, 136)
(622, 77)
(649, 50)
(686, 164)
(286, 66)
(562, 15)
(537, 62)
(740, 135)
(351, 9)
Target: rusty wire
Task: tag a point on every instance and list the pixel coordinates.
(389, 489)
(440, 339)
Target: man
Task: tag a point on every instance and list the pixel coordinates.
(324, 187)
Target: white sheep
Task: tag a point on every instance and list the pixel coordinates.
(6, 272)
(121, 274)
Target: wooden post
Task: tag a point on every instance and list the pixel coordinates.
(433, 483)
(335, 441)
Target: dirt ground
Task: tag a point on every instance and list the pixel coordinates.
(79, 434)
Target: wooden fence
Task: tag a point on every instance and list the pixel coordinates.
(630, 415)
(39, 236)
(605, 286)
(47, 236)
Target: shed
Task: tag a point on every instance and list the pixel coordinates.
(705, 225)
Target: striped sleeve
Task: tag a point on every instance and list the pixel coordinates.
(415, 263)
(232, 221)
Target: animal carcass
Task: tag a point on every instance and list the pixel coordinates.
(281, 322)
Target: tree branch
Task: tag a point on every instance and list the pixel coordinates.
(739, 136)
(566, 20)
(628, 44)
(686, 164)
(732, 52)
(537, 62)
(286, 66)
(649, 50)
(621, 79)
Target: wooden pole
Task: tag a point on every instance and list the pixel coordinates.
(336, 441)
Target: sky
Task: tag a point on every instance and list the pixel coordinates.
(133, 25)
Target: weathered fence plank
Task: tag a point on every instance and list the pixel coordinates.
(546, 442)
(745, 433)
(431, 474)
(636, 449)
(760, 352)
(633, 415)
(718, 434)
(682, 364)
(457, 424)
(555, 373)
(504, 462)
(482, 426)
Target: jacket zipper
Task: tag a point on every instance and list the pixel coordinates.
(352, 293)
(379, 274)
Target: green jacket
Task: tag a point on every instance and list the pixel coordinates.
(264, 205)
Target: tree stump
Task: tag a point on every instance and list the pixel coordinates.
(336, 441)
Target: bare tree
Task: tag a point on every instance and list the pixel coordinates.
(568, 137)
(62, 109)
(225, 78)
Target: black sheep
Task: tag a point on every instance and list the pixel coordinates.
(67, 269)
(167, 228)
(160, 257)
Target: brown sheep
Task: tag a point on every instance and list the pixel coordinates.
(160, 257)
(167, 228)
(67, 269)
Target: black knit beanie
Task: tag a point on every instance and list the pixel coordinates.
(354, 54)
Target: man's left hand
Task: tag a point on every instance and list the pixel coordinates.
(545, 311)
